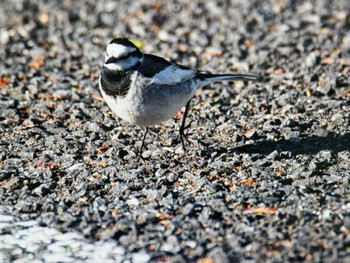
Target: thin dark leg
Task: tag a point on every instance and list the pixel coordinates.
(183, 126)
(143, 140)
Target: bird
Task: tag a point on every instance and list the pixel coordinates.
(145, 89)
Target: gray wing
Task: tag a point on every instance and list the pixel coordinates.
(163, 72)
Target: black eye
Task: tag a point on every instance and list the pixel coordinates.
(115, 60)
(127, 56)
(134, 53)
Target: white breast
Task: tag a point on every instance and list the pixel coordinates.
(150, 105)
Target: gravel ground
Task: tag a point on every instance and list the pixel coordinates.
(24, 245)
(265, 178)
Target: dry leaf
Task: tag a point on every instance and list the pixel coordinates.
(247, 182)
(178, 115)
(280, 173)
(278, 71)
(46, 96)
(24, 111)
(116, 213)
(211, 52)
(103, 149)
(248, 43)
(4, 81)
(99, 98)
(260, 211)
(102, 164)
(156, 6)
(27, 127)
(327, 61)
(161, 216)
(205, 260)
(37, 62)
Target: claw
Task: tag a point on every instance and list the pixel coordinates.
(184, 135)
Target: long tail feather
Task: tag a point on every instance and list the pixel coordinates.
(205, 78)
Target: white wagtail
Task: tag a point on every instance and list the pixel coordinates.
(145, 90)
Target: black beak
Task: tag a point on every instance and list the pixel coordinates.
(112, 60)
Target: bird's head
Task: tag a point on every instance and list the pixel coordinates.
(122, 54)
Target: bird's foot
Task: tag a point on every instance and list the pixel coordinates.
(185, 136)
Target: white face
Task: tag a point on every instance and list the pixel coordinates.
(117, 50)
(124, 57)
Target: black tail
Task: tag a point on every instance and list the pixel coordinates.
(206, 78)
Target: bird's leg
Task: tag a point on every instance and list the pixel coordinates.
(184, 126)
(143, 140)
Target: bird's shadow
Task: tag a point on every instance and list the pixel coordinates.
(308, 145)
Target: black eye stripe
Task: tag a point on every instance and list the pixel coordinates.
(126, 56)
